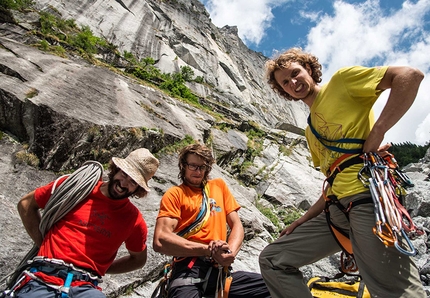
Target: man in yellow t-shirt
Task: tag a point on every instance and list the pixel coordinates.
(192, 225)
(341, 122)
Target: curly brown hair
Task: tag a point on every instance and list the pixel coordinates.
(284, 60)
(201, 150)
(113, 169)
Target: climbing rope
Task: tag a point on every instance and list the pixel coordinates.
(63, 198)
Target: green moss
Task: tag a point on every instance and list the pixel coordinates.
(289, 215)
(31, 93)
(187, 140)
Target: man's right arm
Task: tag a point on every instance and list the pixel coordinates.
(167, 242)
(30, 215)
(314, 211)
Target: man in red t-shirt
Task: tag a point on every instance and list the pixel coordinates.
(88, 237)
(205, 249)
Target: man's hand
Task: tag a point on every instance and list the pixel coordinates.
(290, 228)
(221, 253)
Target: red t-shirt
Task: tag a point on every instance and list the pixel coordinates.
(90, 235)
(183, 203)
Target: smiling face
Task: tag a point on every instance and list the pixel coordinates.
(121, 186)
(296, 81)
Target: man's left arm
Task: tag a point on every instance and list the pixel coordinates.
(224, 254)
(236, 236)
(404, 82)
(133, 261)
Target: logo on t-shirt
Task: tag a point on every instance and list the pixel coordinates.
(97, 223)
(213, 206)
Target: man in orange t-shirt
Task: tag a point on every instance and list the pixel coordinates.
(202, 251)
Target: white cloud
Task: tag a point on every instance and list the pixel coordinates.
(423, 132)
(251, 17)
(358, 34)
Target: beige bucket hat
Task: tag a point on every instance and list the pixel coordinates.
(140, 165)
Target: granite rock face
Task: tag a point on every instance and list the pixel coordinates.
(64, 111)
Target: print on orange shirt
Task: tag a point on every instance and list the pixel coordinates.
(214, 207)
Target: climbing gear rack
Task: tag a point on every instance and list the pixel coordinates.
(387, 183)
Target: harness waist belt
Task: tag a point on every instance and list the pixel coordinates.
(339, 168)
(61, 269)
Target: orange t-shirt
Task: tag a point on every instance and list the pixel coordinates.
(183, 202)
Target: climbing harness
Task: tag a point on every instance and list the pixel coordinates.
(55, 274)
(348, 264)
(387, 183)
(387, 187)
(75, 188)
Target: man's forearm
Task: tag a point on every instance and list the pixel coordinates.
(126, 264)
(174, 245)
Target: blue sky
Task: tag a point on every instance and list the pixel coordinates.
(343, 33)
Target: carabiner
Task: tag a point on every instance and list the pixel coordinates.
(385, 235)
(412, 251)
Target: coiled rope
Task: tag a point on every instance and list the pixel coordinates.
(64, 198)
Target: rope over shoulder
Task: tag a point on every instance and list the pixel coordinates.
(64, 198)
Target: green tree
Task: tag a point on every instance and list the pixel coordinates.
(16, 4)
(187, 73)
(406, 152)
(86, 40)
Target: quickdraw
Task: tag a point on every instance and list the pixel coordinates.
(387, 184)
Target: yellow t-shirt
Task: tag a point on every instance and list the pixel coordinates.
(183, 203)
(343, 109)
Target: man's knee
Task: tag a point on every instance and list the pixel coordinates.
(86, 291)
(262, 260)
(265, 257)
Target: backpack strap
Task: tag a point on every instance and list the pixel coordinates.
(324, 141)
